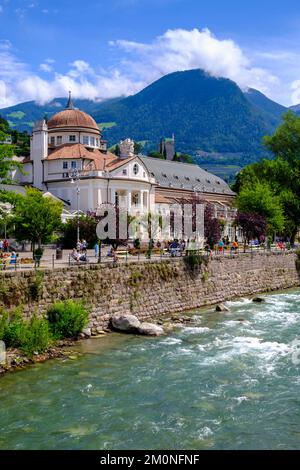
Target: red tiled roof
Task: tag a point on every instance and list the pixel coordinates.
(98, 160)
(119, 162)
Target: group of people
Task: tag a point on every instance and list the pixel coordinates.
(4, 245)
(80, 252)
(8, 259)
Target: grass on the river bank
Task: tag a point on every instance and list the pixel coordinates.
(41, 336)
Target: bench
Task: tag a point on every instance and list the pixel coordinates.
(121, 254)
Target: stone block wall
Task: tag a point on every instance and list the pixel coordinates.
(148, 289)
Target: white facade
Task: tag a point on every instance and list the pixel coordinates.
(69, 159)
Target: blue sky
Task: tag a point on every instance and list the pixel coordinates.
(101, 49)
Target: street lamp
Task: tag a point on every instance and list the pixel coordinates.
(75, 179)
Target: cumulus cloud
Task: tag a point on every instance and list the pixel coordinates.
(176, 49)
(46, 67)
(179, 49)
(295, 87)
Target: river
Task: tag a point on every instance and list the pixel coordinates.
(229, 381)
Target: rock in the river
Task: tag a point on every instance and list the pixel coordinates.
(87, 332)
(150, 329)
(129, 323)
(258, 299)
(222, 308)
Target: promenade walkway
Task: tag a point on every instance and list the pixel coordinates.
(50, 261)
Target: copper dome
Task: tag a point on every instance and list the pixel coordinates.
(72, 118)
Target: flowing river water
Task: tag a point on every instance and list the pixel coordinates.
(229, 381)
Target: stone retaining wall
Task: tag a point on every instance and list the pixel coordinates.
(148, 289)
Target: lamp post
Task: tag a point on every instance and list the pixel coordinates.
(75, 179)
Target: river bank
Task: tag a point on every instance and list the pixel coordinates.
(69, 348)
(225, 381)
(16, 360)
(149, 290)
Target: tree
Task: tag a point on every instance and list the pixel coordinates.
(260, 199)
(176, 158)
(137, 148)
(117, 150)
(6, 220)
(7, 164)
(253, 226)
(155, 155)
(212, 229)
(285, 142)
(185, 158)
(87, 223)
(36, 218)
(165, 153)
(281, 174)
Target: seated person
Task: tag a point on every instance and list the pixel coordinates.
(75, 255)
(13, 258)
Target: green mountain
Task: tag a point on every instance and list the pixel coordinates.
(295, 108)
(258, 99)
(210, 117)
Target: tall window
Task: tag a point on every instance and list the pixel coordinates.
(73, 165)
(65, 165)
(52, 140)
(92, 141)
(85, 140)
(72, 138)
(59, 140)
(135, 199)
(135, 169)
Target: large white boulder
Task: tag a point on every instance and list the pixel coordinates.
(126, 322)
(150, 329)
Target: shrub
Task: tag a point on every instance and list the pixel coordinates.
(35, 288)
(67, 319)
(193, 261)
(30, 336)
(37, 336)
(14, 329)
(3, 323)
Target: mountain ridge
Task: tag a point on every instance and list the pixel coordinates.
(207, 114)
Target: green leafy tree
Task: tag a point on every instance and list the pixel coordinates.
(36, 218)
(260, 199)
(117, 150)
(7, 164)
(87, 224)
(155, 155)
(281, 174)
(185, 158)
(137, 148)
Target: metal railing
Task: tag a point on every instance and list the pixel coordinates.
(124, 256)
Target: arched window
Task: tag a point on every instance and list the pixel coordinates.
(135, 169)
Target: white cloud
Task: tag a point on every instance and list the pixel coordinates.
(176, 49)
(46, 68)
(18, 83)
(295, 87)
(80, 68)
(179, 49)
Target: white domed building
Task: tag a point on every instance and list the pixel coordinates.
(69, 148)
